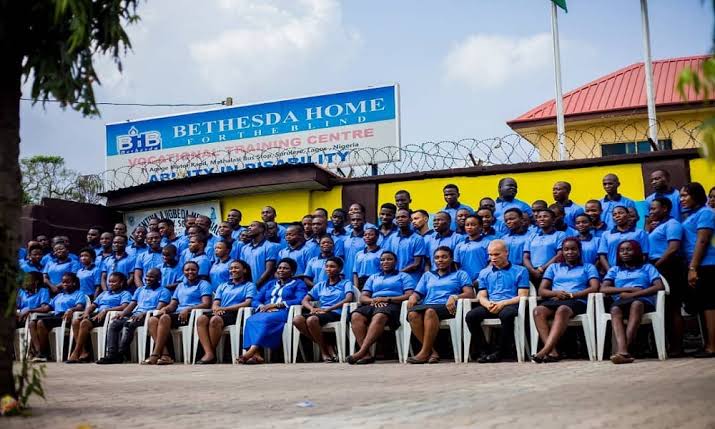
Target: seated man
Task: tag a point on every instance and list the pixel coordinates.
(500, 286)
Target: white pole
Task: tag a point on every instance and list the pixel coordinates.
(650, 95)
(560, 126)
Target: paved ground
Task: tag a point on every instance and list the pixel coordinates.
(677, 393)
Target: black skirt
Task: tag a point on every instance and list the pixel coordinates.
(50, 321)
(577, 306)
(705, 288)
(391, 310)
(625, 305)
(440, 309)
(324, 318)
(229, 318)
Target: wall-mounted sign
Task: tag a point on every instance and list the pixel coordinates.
(177, 213)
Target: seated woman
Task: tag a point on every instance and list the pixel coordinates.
(192, 293)
(264, 329)
(31, 297)
(438, 290)
(633, 285)
(231, 296)
(114, 299)
(69, 299)
(331, 295)
(564, 289)
(380, 305)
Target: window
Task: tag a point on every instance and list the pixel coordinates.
(634, 147)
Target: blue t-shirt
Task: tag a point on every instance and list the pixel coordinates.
(389, 284)
(111, 299)
(51, 257)
(608, 205)
(367, 262)
(236, 233)
(703, 218)
(55, 270)
(28, 301)
(301, 255)
(148, 260)
(570, 212)
(515, 243)
(202, 259)
(136, 251)
(542, 247)
(500, 228)
(148, 298)
(407, 248)
(382, 237)
(64, 301)
(256, 255)
(436, 289)
(165, 242)
(570, 278)
(674, 196)
(338, 249)
(472, 256)
(435, 240)
(453, 214)
(229, 293)
(589, 249)
(27, 267)
(170, 275)
(598, 232)
(189, 295)
(502, 284)
(503, 205)
(124, 265)
(353, 244)
(641, 278)
(315, 270)
(329, 295)
(659, 238)
(611, 239)
(236, 248)
(219, 273)
(89, 278)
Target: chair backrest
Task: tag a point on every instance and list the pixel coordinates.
(87, 301)
(532, 289)
(665, 285)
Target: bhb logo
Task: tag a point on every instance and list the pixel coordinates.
(134, 141)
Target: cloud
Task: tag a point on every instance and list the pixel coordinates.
(488, 61)
(273, 45)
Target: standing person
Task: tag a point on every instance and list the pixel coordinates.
(435, 299)
(231, 296)
(330, 294)
(358, 208)
(403, 200)
(33, 262)
(461, 219)
(420, 220)
(559, 222)
(633, 284)
(168, 235)
(354, 243)
(564, 290)
(307, 223)
(711, 198)
(204, 222)
(152, 258)
(234, 218)
(408, 246)
(589, 242)
(219, 272)
(152, 225)
(57, 267)
(387, 223)
(508, 189)
(171, 271)
(268, 214)
(539, 205)
(315, 270)
(120, 333)
(260, 254)
(488, 203)
(120, 261)
(451, 197)
(320, 230)
(700, 253)
(594, 211)
(544, 248)
(196, 252)
(367, 261)
(339, 219)
(608, 249)
(93, 234)
(263, 330)
(138, 246)
(492, 227)
(660, 183)
(471, 254)
(45, 243)
(516, 238)
(297, 249)
(89, 273)
(561, 193)
(234, 245)
(500, 286)
(612, 199)
(120, 229)
(273, 237)
(664, 240)
(443, 236)
(189, 221)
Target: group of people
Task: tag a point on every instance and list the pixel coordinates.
(490, 255)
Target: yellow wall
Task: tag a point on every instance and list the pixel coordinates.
(702, 172)
(291, 206)
(585, 183)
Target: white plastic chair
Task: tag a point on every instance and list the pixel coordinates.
(586, 321)
(655, 318)
(454, 325)
(234, 332)
(98, 335)
(60, 332)
(138, 346)
(22, 340)
(286, 335)
(399, 333)
(181, 337)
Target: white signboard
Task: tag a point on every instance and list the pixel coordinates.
(177, 213)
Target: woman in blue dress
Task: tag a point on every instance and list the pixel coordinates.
(264, 329)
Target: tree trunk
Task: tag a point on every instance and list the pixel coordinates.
(10, 189)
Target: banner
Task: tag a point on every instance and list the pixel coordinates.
(177, 213)
(334, 130)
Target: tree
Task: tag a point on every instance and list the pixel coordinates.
(48, 177)
(51, 43)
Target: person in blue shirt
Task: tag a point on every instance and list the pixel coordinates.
(442, 236)
(234, 218)
(58, 266)
(167, 232)
(52, 256)
(31, 296)
(561, 192)
(357, 208)
(409, 247)
(60, 308)
(501, 285)
(517, 236)
(93, 234)
(451, 197)
(559, 222)
(403, 200)
(264, 329)
(354, 243)
(330, 295)
(315, 270)
(594, 211)
(612, 199)
(471, 255)
(145, 261)
(268, 214)
(33, 261)
(608, 249)
(419, 220)
(113, 299)
(700, 254)
(339, 218)
(120, 333)
(273, 237)
(192, 293)
(665, 236)
(380, 306)
(106, 241)
(137, 246)
(171, 271)
(260, 254)
(89, 273)
(196, 252)
(225, 234)
(544, 248)
(219, 272)
(711, 198)
(120, 261)
(297, 249)
(508, 189)
(231, 296)
(461, 219)
(632, 285)
(589, 242)
(204, 222)
(564, 291)
(320, 230)
(660, 183)
(387, 227)
(435, 299)
(367, 261)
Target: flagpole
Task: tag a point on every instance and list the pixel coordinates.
(560, 126)
(650, 95)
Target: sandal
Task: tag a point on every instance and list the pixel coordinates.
(366, 361)
(433, 360)
(151, 360)
(252, 361)
(165, 360)
(351, 360)
(621, 358)
(416, 361)
(550, 359)
(536, 359)
(331, 359)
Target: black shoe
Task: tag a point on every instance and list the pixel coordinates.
(482, 358)
(108, 360)
(703, 354)
(206, 362)
(536, 359)
(491, 358)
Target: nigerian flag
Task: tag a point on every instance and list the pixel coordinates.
(561, 4)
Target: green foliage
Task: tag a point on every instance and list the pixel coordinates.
(47, 177)
(702, 82)
(28, 382)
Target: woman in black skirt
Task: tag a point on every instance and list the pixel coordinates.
(564, 290)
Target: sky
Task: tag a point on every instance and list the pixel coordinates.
(464, 67)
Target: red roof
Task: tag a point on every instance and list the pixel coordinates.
(621, 90)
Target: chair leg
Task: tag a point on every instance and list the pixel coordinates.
(601, 338)
(588, 334)
(406, 339)
(340, 343)
(398, 341)
(534, 337)
(220, 348)
(467, 344)
(659, 334)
